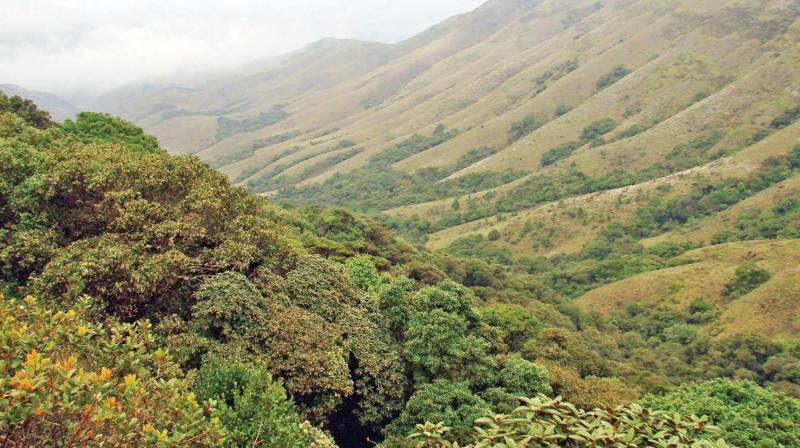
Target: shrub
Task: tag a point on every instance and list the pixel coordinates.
(748, 277)
(598, 129)
(524, 127)
(748, 415)
(65, 381)
(612, 77)
(562, 109)
(253, 408)
(545, 422)
(559, 152)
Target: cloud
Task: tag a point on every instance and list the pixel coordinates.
(66, 46)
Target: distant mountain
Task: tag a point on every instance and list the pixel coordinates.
(58, 108)
(664, 72)
(541, 134)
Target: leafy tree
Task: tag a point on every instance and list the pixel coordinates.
(442, 401)
(362, 272)
(254, 409)
(748, 415)
(516, 324)
(92, 127)
(522, 378)
(27, 110)
(439, 345)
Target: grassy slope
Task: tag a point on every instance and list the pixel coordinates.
(772, 309)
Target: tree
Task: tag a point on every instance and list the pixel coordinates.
(362, 271)
(92, 127)
(522, 378)
(452, 403)
(515, 323)
(439, 345)
(253, 407)
(27, 110)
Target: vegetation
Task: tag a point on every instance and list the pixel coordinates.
(524, 127)
(612, 77)
(379, 187)
(746, 414)
(542, 421)
(91, 127)
(227, 127)
(67, 380)
(300, 326)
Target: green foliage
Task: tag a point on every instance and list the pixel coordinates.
(748, 277)
(227, 127)
(562, 109)
(253, 408)
(516, 324)
(545, 422)
(612, 77)
(377, 186)
(92, 127)
(362, 272)
(781, 220)
(598, 129)
(748, 416)
(67, 381)
(524, 127)
(522, 378)
(786, 118)
(27, 110)
(451, 403)
(560, 152)
(438, 344)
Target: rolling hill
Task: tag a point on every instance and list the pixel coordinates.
(534, 128)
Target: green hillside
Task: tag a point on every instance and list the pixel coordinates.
(298, 327)
(562, 223)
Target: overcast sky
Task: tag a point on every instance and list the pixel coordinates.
(63, 46)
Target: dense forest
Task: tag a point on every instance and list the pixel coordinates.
(148, 302)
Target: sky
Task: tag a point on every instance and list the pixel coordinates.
(69, 47)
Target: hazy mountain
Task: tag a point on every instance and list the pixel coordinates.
(59, 109)
(556, 117)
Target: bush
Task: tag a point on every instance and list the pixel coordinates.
(65, 381)
(524, 127)
(598, 129)
(748, 415)
(545, 422)
(253, 408)
(748, 277)
(562, 109)
(612, 77)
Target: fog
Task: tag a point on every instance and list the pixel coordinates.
(72, 47)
